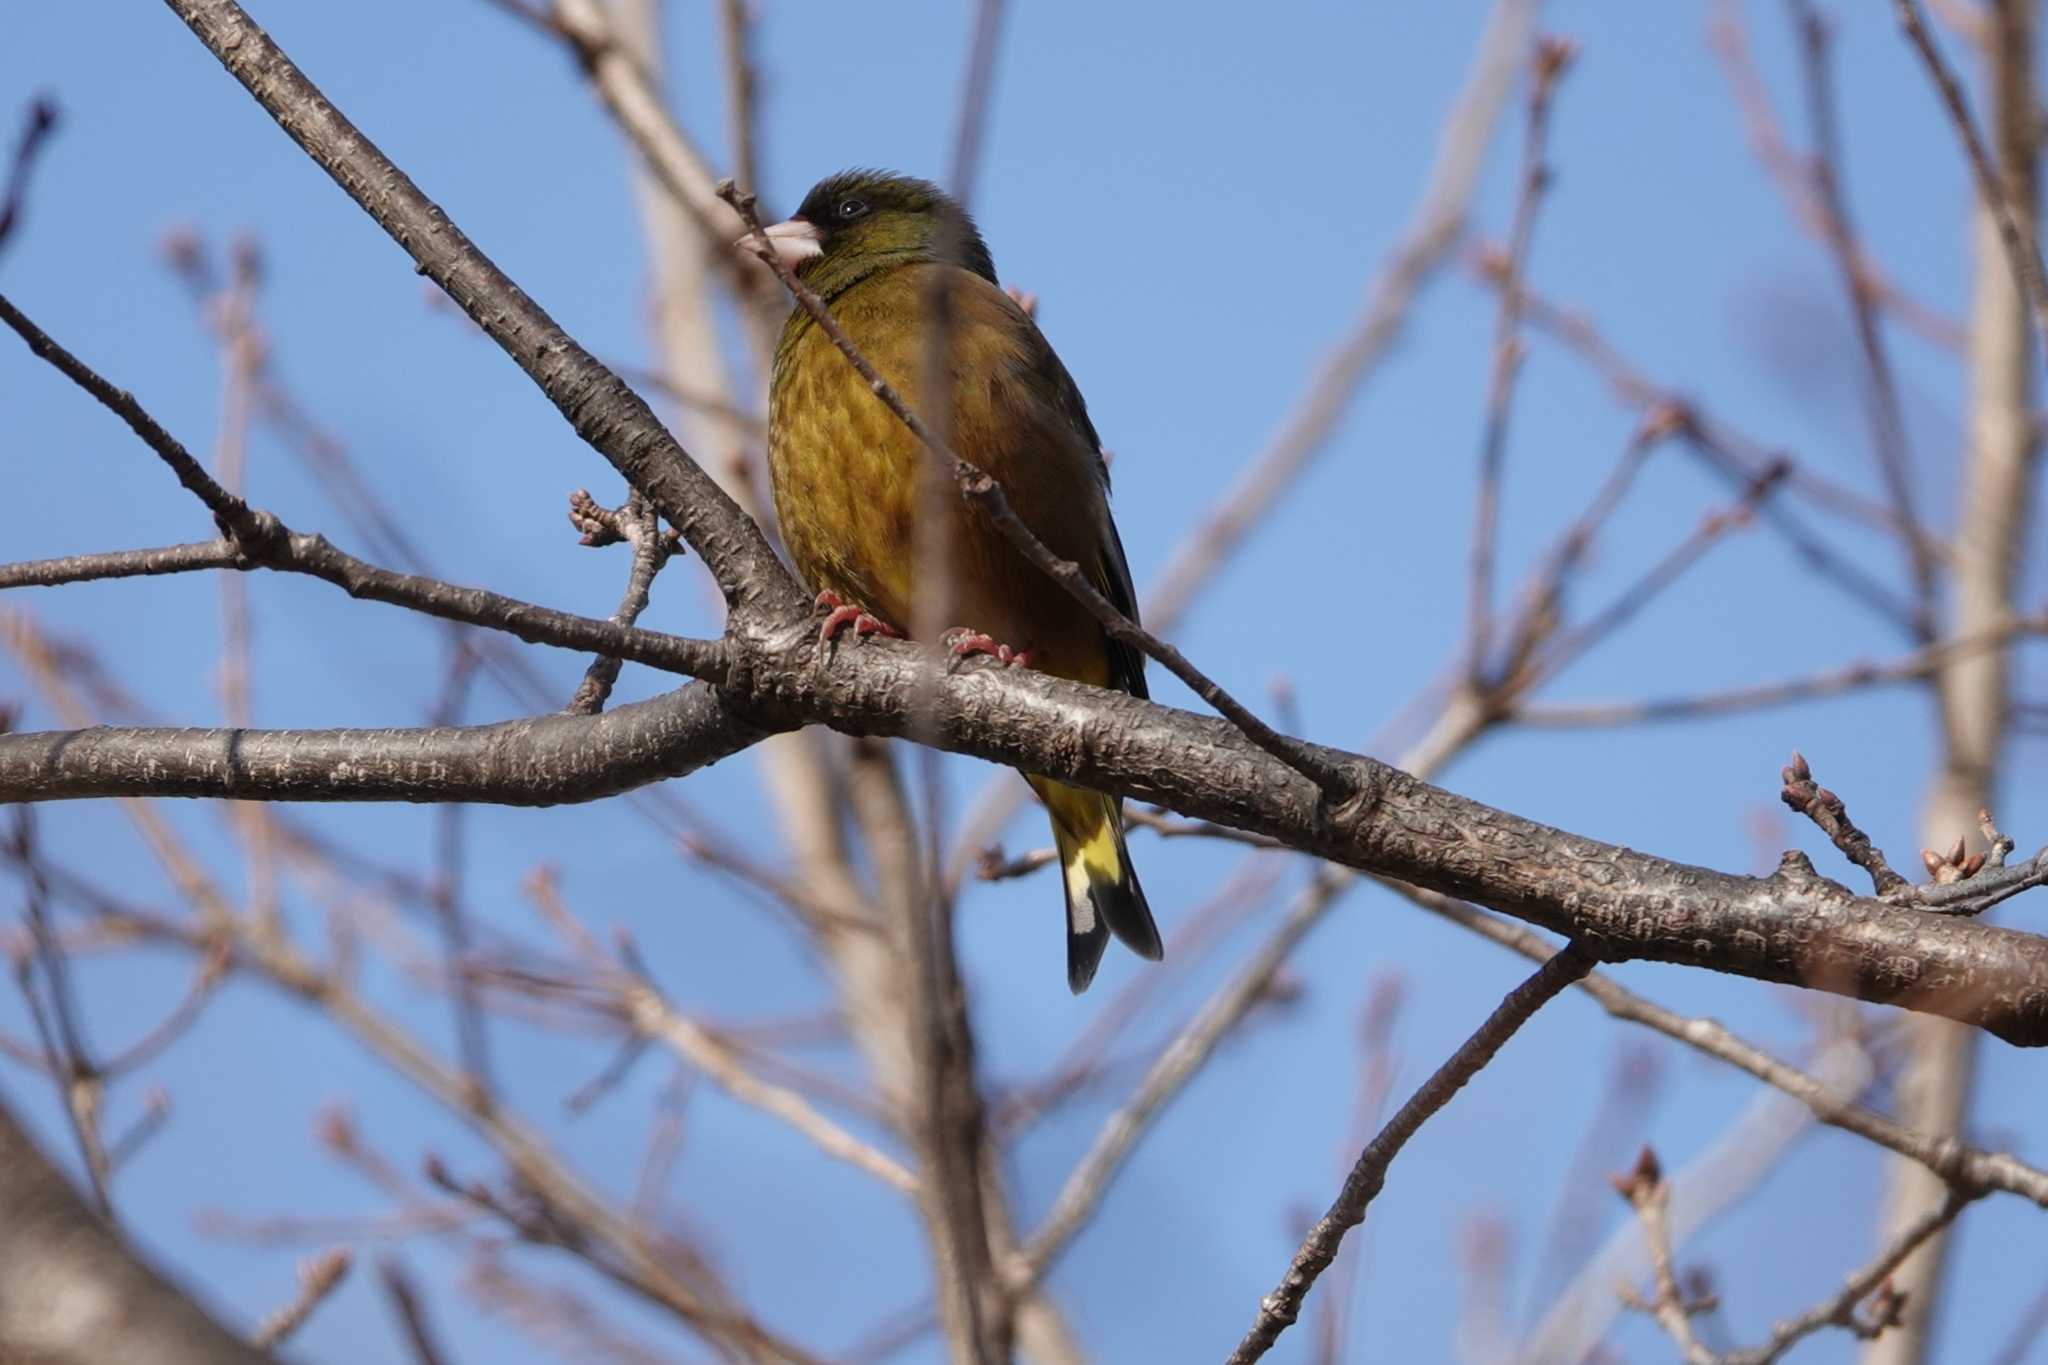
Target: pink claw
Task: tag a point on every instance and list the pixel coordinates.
(839, 614)
(964, 643)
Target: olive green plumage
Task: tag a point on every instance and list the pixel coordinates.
(849, 480)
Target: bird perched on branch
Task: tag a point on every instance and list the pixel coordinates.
(905, 273)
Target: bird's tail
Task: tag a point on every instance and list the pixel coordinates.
(1103, 896)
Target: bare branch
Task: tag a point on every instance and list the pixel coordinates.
(1839, 1310)
(318, 1278)
(977, 93)
(1995, 527)
(1888, 429)
(1649, 1194)
(412, 1313)
(187, 557)
(35, 134)
(260, 539)
(2022, 253)
(1955, 1163)
(1793, 926)
(1433, 228)
(670, 158)
(1917, 666)
(1547, 65)
(1825, 809)
(1279, 1309)
(1170, 1071)
(72, 1293)
(233, 515)
(637, 525)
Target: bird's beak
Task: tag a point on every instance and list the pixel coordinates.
(793, 242)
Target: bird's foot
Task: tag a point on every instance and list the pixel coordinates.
(963, 642)
(841, 614)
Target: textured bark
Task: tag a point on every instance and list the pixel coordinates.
(72, 1293)
(538, 761)
(1793, 926)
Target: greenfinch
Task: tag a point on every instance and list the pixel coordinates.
(850, 479)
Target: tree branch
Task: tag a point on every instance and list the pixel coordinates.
(1278, 1310)
(72, 1293)
(1793, 926)
(538, 761)
(2022, 253)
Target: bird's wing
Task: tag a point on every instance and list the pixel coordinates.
(1113, 579)
(1053, 428)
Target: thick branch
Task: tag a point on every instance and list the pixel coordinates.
(540, 761)
(1793, 926)
(71, 1292)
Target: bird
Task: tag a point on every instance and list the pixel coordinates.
(849, 484)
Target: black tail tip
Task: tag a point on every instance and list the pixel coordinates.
(1112, 907)
(1121, 905)
(1084, 954)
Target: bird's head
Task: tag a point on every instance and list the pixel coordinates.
(856, 222)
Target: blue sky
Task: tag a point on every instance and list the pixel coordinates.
(1199, 205)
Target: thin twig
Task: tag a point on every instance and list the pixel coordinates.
(1839, 1310)
(243, 347)
(1793, 175)
(977, 93)
(233, 515)
(2022, 252)
(640, 528)
(1957, 1163)
(1552, 56)
(472, 1039)
(81, 1084)
(1279, 1309)
(35, 135)
(412, 1313)
(1377, 1061)
(156, 1112)
(1716, 526)
(655, 1018)
(1888, 428)
(742, 111)
(1740, 460)
(1825, 809)
(649, 1013)
(213, 969)
(51, 573)
(318, 1278)
(263, 540)
(1914, 667)
(1175, 1065)
(1647, 1192)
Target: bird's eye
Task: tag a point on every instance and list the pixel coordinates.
(851, 208)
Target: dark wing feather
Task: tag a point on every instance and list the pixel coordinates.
(1110, 572)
